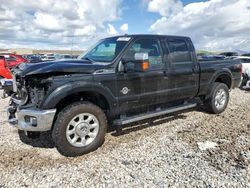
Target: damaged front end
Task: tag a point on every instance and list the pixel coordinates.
(33, 83)
(23, 111)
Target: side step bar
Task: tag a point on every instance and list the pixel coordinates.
(139, 117)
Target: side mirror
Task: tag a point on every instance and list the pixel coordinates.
(138, 63)
(143, 61)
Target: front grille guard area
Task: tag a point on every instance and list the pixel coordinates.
(20, 95)
(17, 100)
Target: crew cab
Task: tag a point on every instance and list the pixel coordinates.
(120, 80)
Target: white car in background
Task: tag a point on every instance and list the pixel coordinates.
(245, 71)
(48, 57)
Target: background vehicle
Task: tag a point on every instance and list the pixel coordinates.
(5, 77)
(34, 59)
(229, 54)
(248, 55)
(121, 80)
(210, 57)
(4, 69)
(43, 57)
(245, 60)
(50, 57)
(13, 59)
(66, 56)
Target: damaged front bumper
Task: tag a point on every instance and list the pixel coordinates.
(30, 119)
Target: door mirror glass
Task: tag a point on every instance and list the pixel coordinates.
(138, 63)
(141, 56)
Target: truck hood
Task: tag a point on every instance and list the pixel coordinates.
(61, 66)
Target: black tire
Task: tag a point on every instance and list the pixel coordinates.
(65, 116)
(210, 103)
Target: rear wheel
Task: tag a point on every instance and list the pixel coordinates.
(219, 98)
(79, 129)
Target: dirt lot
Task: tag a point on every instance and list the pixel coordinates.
(168, 151)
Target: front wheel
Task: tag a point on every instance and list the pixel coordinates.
(219, 98)
(79, 129)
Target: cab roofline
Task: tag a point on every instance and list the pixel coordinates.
(148, 35)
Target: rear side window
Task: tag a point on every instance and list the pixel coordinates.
(178, 51)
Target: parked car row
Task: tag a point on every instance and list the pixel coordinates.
(36, 58)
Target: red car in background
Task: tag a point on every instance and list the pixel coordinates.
(4, 69)
(5, 78)
(13, 59)
(9, 61)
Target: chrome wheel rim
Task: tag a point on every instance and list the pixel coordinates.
(82, 130)
(220, 99)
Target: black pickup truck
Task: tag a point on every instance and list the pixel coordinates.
(120, 80)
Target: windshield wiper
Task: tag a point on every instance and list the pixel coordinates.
(87, 58)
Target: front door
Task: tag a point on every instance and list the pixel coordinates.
(137, 90)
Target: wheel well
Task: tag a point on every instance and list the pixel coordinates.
(95, 98)
(224, 78)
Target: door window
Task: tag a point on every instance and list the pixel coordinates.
(178, 51)
(149, 46)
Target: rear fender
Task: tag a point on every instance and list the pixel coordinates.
(217, 75)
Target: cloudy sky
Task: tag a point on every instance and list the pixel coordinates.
(77, 24)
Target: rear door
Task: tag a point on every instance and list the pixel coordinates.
(182, 70)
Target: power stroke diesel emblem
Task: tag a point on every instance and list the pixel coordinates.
(125, 90)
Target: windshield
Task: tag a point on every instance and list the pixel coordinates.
(106, 50)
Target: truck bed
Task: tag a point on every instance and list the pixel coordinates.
(209, 69)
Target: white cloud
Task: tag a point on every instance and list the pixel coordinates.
(86, 31)
(55, 23)
(165, 7)
(124, 28)
(49, 22)
(213, 25)
(111, 30)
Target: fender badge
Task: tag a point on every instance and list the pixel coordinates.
(125, 90)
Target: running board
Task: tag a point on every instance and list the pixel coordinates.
(143, 116)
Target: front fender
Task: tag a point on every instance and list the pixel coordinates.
(75, 87)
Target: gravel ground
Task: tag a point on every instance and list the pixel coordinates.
(162, 152)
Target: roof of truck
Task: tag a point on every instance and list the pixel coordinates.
(150, 35)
